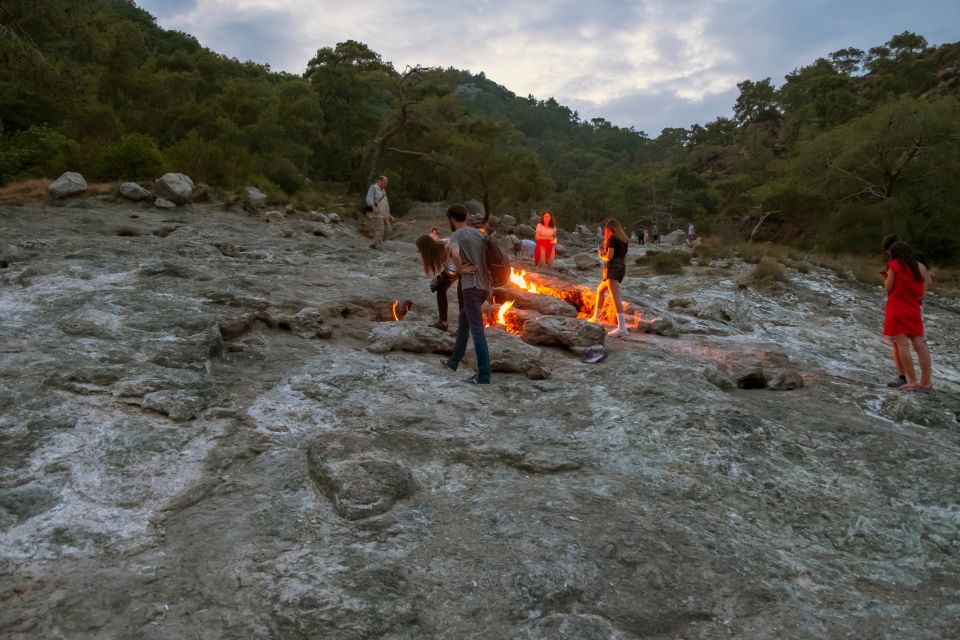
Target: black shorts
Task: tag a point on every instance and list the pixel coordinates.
(614, 271)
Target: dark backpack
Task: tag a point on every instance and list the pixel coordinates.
(498, 264)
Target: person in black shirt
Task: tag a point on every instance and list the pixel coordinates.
(614, 255)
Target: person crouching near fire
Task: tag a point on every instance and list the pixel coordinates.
(614, 256)
(435, 256)
(467, 252)
(905, 280)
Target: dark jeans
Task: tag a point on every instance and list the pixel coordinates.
(471, 324)
(444, 282)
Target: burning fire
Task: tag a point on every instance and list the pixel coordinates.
(503, 312)
(394, 310)
(518, 279)
(583, 301)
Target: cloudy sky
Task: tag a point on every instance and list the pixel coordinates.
(643, 63)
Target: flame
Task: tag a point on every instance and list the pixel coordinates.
(393, 308)
(518, 279)
(501, 316)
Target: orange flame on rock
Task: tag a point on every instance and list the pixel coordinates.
(501, 316)
(518, 279)
(393, 308)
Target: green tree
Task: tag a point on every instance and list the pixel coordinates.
(756, 103)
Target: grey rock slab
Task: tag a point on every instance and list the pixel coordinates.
(586, 260)
(163, 203)
(68, 184)
(254, 197)
(359, 488)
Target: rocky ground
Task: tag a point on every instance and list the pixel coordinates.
(207, 431)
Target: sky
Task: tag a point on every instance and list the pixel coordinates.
(646, 64)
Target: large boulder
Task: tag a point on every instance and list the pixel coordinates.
(133, 191)
(253, 197)
(408, 336)
(510, 354)
(175, 187)
(508, 222)
(772, 370)
(585, 260)
(70, 183)
(524, 231)
(674, 237)
(562, 332)
(541, 303)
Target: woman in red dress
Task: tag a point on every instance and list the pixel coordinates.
(905, 281)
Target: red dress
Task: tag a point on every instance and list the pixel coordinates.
(903, 303)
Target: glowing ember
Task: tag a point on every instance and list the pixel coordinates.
(394, 310)
(503, 312)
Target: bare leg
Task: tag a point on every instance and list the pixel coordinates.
(601, 298)
(906, 361)
(923, 359)
(615, 293)
(896, 359)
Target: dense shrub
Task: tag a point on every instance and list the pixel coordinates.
(133, 157)
(31, 151)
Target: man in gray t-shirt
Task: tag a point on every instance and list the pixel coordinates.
(473, 289)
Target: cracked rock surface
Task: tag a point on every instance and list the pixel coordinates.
(211, 428)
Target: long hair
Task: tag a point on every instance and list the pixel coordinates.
(614, 225)
(553, 222)
(433, 255)
(903, 253)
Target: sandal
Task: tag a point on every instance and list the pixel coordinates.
(439, 324)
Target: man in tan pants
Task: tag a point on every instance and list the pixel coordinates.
(379, 212)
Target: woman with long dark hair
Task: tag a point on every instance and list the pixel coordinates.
(614, 256)
(906, 280)
(436, 262)
(546, 238)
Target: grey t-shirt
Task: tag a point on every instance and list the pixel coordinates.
(470, 243)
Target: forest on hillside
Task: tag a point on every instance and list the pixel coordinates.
(850, 147)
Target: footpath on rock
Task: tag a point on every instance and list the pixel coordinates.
(211, 426)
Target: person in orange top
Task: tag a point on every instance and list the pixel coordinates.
(905, 280)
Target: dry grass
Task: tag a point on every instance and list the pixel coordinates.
(664, 263)
(24, 192)
(768, 270)
(37, 190)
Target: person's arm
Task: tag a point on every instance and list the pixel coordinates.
(458, 262)
(888, 282)
(372, 195)
(606, 253)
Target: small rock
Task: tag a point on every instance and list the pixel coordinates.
(253, 197)
(333, 218)
(272, 216)
(133, 191)
(163, 203)
(562, 332)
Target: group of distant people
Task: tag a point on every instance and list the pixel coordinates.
(460, 259)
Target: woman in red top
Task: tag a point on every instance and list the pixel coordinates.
(906, 283)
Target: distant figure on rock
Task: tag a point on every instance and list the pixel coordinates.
(691, 233)
(905, 279)
(435, 256)
(523, 249)
(646, 236)
(467, 253)
(379, 212)
(546, 239)
(614, 256)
